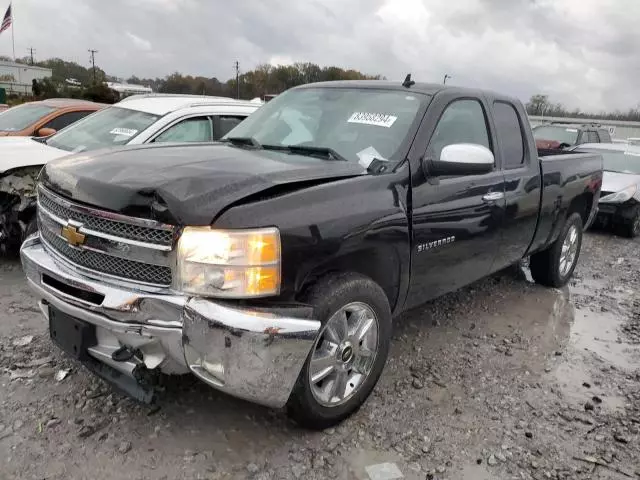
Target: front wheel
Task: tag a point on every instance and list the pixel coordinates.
(349, 353)
(554, 266)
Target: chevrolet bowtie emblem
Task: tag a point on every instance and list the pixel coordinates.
(71, 234)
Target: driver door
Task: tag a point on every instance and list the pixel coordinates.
(456, 219)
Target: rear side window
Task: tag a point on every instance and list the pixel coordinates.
(592, 137)
(462, 122)
(225, 124)
(509, 134)
(605, 137)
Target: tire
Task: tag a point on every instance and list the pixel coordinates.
(329, 297)
(547, 265)
(631, 229)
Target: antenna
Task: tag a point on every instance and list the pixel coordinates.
(408, 82)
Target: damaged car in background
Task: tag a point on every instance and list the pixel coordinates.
(271, 265)
(619, 206)
(136, 120)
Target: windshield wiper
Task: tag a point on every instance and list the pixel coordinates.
(244, 141)
(312, 151)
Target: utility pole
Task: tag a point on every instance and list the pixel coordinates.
(237, 67)
(31, 52)
(446, 76)
(93, 63)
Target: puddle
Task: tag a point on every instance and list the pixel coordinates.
(595, 338)
(588, 286)
(597, 333)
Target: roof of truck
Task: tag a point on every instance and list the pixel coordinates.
(426, 88)
(418, 87)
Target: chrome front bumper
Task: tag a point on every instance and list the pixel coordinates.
(251, 353)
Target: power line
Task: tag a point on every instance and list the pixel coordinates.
(31, 52)
(237, 67)
(93, 63)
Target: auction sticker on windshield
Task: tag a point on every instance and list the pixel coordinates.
(126, 132)
(377, 119)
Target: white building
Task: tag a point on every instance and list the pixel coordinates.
(17, 77)
(126, 89)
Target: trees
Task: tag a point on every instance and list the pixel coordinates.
(541, 106)
(263, 80)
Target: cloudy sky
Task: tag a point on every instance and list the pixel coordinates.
(583, 53)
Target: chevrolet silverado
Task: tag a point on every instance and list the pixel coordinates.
(272, 264)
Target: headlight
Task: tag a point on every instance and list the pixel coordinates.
(229, 263)
(621, 196)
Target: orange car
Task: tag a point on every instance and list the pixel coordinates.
(44, 118)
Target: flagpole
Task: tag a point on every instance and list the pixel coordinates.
(13, 41)
(13, 28)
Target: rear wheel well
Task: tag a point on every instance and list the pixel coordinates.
(581, 205)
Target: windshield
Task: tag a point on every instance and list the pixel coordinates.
(110, 127)
(20, 117)
(616, 161)
(357, 124)
(566, 135)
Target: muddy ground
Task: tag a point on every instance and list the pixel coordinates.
(503, 380)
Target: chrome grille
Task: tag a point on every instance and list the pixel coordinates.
(120, 267)
(158, 236)
(109, 245)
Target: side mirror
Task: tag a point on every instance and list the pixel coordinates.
(461, 159)
(45, 132)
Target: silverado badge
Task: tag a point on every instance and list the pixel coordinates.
(71, 234)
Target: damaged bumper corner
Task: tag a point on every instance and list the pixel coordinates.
(252, 353)
(255, 355)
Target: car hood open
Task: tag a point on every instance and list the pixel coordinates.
(186, 184)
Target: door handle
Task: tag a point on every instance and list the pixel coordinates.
(493, 196)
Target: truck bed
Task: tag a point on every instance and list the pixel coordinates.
(566, 177)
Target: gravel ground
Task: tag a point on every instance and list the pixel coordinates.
(502, 380)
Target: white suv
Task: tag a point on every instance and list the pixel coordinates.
(135, 120)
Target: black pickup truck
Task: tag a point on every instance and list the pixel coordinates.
(271, 265)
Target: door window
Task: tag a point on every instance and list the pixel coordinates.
(462, 122)
(196, 129)
(65, 120)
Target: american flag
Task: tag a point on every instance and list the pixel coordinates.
(6, 21)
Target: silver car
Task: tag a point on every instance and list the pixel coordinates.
(619, 205)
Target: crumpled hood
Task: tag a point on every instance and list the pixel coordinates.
(616, 181)
(185, 184)
(24, 152)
